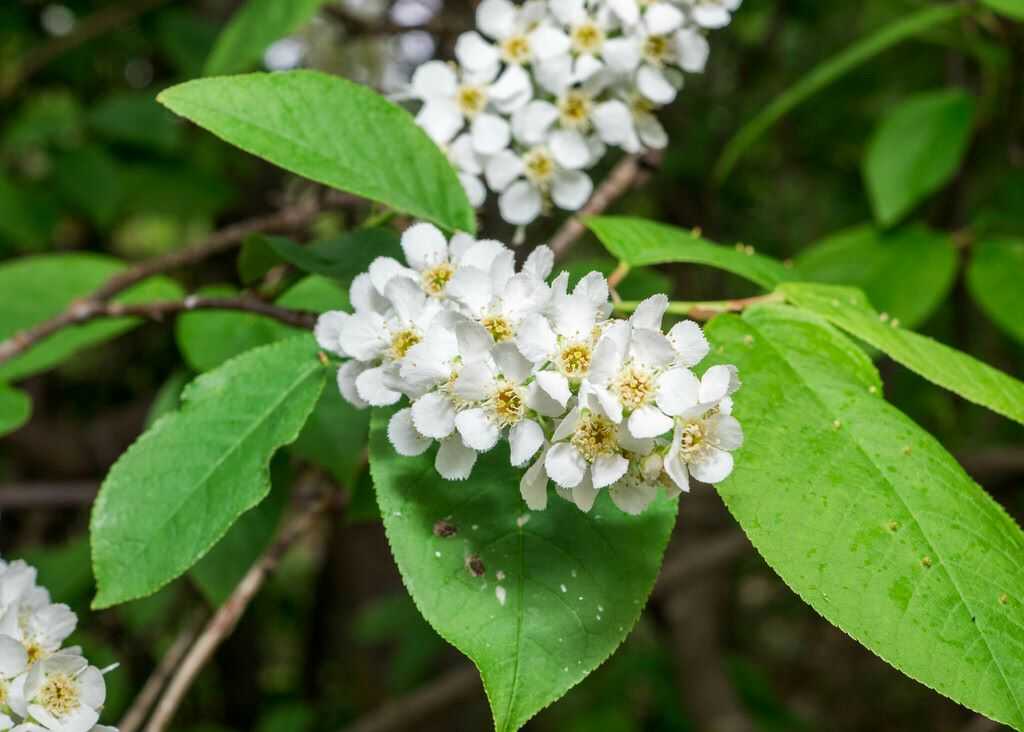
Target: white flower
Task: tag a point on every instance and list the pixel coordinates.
(469, 166)
(713, 13)
(543, 174)
(565, 338)
(522, 34)
(62, 693)
(17, 579)
(40, 630)
(638, 488)
(590, 452)
(702, 442)
(13, 663)
(450, 101)
(533, 486)
(498, 398)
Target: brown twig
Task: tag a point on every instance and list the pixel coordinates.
(405, 712)
(136, 715)
(226, 618)
(93, 306)
(109, 18)
(630, 172)
(708, 309)
(72, 494)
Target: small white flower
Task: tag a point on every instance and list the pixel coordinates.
(449, 102)
(702, 446)
(522, 34)
(13, 663)
(40, 630)
(638, 488)
(713, 13)
(62, 693)
(529, 182)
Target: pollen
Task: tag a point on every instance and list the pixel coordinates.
(656, 49)
(437, 278)
(507, 404)
(471, 99)
(692, 438)
(34, 651)
(540, 166)
(3, 693)
(59, 695)
(587, 38)
(574, 110)
(499, 328)
(574, 360)
(635, 387)
(516, 49)
(594, 437)
(402, 341)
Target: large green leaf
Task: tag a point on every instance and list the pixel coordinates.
(1010, 8)
(916, 150)
(639, 242)
(995, 278)
(949, 368)
(252, 29)
(559, 589)
(868, 518)
(331, 131)
(38, 288)
(134, 118)
(181, 486)
(15, 409)
(208, 338)
(25, 219)
(906, 274)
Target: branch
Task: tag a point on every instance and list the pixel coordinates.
(223, 623)
(72, 494)
(92, 306)
(103, 21)
(136, 715)
(708, 309)
(629, 173)
(403, 713)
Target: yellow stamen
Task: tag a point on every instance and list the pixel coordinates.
(587, 38)
(499, 328)
(574, 110)
(507, 404)
(574, 360)
(436, 278)
(59, 695)
(594, 437)
(635, 387)
(516, 49)
(540, 166)
(402, 341)
(471, 99)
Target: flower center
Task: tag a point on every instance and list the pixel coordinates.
(402, 341)
(3, 693)
(499, 328)
(516, 49)
(507, 404)
(657, 49)
(692, 438)
(59, 695)
(640, 105)
(436, 278)
(587, 38)
(471, 99)
(574, 109)
(635, 387)
(540, 166)
(34, 652)
(574, 360)
(594, 436)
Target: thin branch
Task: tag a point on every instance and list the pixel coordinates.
(629, 173)
(405, 712)
(708, 309)
(93, 305)
(72, 494)
(223, 623)
(109, 18)
(136, 715)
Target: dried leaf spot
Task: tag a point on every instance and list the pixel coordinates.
(445, 529)
(475, 566)
(893, 526)
(926, 562)
(1004, 599)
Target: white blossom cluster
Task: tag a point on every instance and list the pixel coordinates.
(542, 89)
(486, 353)
(44, 687)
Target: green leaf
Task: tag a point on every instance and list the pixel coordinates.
(252, 29)
(640, 242)
(334, 132)
(906, 274)
(995, 278)
(255, 259)
(341, 257)
(573, 584)
(15, 409)
(868, 518)
(829, 72)
(25, 219)
(181, 486)
(208, 338)
(938, 363)
(1010, 8)
(916, 150)
(90, 180)
(134, 118)
(40, 287)
(219, 572)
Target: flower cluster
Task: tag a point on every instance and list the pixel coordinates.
(542, 89)
(484, 352)
(43, 687)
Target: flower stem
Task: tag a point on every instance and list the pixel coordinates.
(708, 309)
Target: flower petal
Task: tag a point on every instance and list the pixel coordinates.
(556, 386)
(565, 465)
(535, 339)
(569, 149)
(490, 134)
(653, 84)
(633, 496)
(433, 415)
(474, 53)
(713, 466)
(692, 49)
(403, 435)
(649, 421)
(347, 375)
(607, 469)
(678, 391)
(496, 18)
(548, 42)
(534, 486)
(571, 189)
(373, 388)
(688, 339)
(511, 363)
(521, 203)
(663, 18)
(434, 79)
(441, 120)
(454, 460)
(328, 331)
(724, 432)
(477, 429)
(525, 438)
(717, 383)
(424, 246)
(585, 494)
